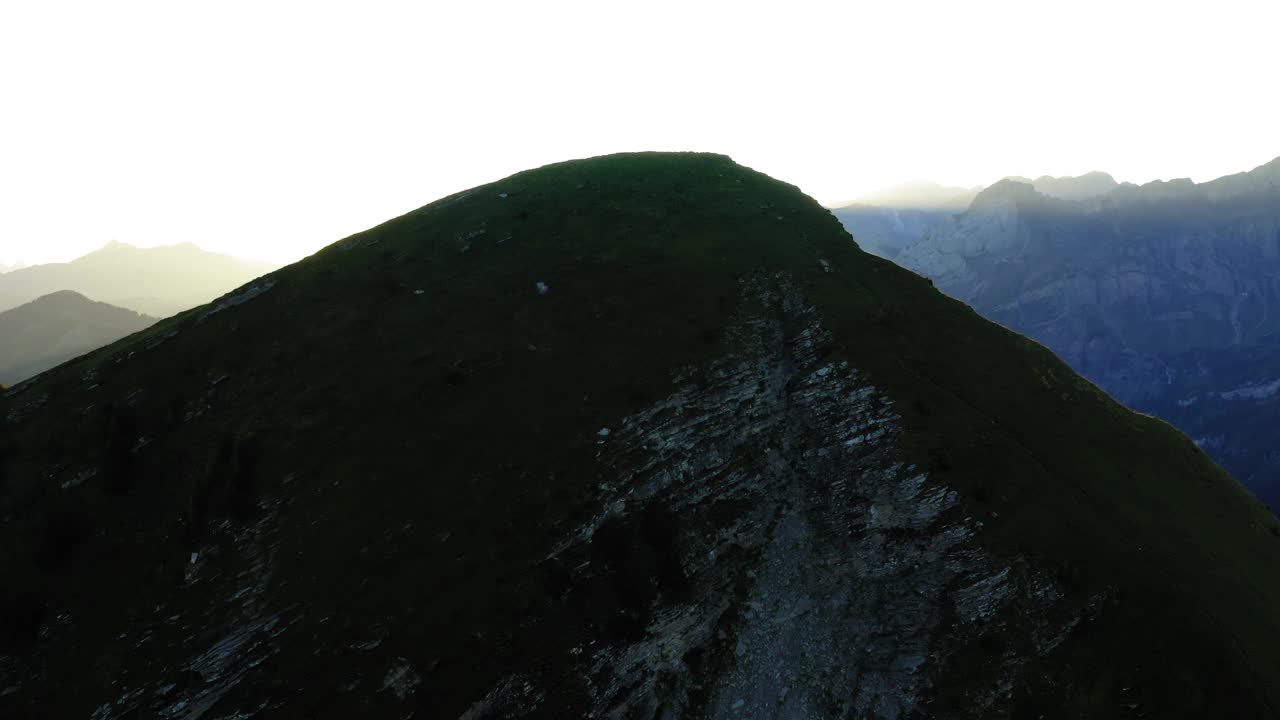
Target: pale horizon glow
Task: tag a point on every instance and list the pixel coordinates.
(271, 129)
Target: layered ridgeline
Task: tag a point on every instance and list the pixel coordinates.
(57, 327)
(1081, 188)
(156, 281)
(1167, 295)
(636, 436)
(887, 222)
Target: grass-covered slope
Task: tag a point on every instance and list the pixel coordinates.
(408, 420)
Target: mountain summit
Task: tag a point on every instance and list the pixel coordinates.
(643, 435)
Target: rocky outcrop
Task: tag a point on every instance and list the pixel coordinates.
(804, 568)
(847, 581)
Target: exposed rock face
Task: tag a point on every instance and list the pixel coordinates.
(1130, 290)
(804, 569)
(846, 581)
(991, 227)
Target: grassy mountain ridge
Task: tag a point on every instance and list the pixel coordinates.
(405, 422)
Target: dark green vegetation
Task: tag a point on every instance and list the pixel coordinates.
(55, 328)
(416, 420)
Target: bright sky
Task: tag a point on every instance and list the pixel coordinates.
(270, 129)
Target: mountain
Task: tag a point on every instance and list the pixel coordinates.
(885, 231)
(887, 222)
(157, 281)
(637, 436)
(884, 222)
(1163, 294)
(10, 268)
(55, 328)
(1084, 187)
(919, 194)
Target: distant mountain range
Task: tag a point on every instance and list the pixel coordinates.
(887, 221)
(10, 268)
(55, 328)
(1166, 294)
(157, 281)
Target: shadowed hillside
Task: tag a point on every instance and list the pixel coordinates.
(640, 436)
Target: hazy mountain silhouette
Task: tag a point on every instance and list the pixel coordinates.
(55, 328)
(640, 436)
(156, 281)
(888, 220)
(1083, 187)
(921, 194)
